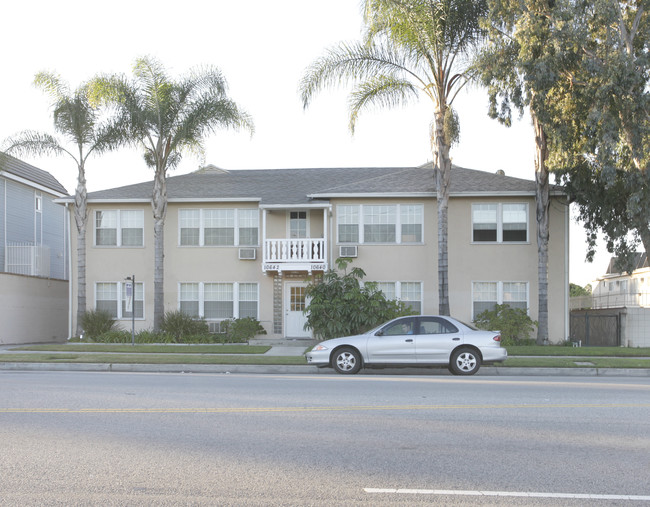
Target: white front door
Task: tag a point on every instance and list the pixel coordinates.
(294, 304)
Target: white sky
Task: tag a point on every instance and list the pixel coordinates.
(262, 48)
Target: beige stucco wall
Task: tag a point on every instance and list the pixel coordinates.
(467, 262)
(33, 310)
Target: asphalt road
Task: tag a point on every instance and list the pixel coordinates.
(78, 438)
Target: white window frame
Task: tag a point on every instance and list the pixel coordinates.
(118, 227)
(398, 292)
(237, 225)
(307, 223)
(500, 293)
(397, 215)
(138, 295)
(236, 310)
(499, 222)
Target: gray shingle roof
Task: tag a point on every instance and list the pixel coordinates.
(302, 186)
(28, 172)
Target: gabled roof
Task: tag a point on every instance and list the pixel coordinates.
(27, 173)
(294, 187)
(640, 261)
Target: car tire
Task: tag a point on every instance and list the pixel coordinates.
(346, 360)
(464, 361)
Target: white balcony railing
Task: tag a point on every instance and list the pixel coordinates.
(295, 254)
(611, 300)
(28, 259)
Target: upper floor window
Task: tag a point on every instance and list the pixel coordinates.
(38, 202)
(393, 223)
(500, 223)
(298, 224)
(218, 227)
(119, 228)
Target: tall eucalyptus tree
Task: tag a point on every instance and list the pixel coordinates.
(603, 156)
(82, 133)
(410, 48)
(166, 118)
(526, 63)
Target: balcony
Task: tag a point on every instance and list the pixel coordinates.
(295, 255)
(28, 259)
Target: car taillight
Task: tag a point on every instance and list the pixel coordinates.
(497, 338)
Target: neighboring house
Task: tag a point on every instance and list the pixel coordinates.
(34, 255)
(618, 311)
(247, 242)
(615, 289)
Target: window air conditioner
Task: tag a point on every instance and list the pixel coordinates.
(247, 254)
(348, 251)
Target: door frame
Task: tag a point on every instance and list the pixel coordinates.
(286, 304)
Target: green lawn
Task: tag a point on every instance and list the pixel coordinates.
(539, 350)
(525, 356)
(111, 358)
(149, 349)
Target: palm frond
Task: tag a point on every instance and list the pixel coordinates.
(381, 91)
(357, 62)
(33, 143)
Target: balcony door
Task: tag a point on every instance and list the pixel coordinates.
(294, 303)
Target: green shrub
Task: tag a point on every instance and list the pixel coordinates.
(242, 330)
(97, 322)
(514, 324)
(114, 336)
(341, 306)
(180, 325)
(148, 336)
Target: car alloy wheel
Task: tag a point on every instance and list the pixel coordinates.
(347, 360)
(464, 361)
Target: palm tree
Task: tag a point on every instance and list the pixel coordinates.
(411, 48)
(82, 134)
(167, 118)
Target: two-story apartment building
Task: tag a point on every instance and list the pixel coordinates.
(247, 242)
(34, 255)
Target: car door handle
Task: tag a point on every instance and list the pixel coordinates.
(456, 339)
(409, 340)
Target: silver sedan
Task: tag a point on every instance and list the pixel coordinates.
(423, 340)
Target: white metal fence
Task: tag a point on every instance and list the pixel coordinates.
(27, 259)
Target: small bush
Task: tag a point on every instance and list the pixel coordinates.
(514, 324)
(97, 322)
(180, 325)
(243, 330)
(114, 336)
(148, 336)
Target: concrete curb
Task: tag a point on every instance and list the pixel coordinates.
(485, 371)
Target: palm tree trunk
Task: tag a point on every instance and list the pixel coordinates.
(543, 206)
(442, 168)
(159, 205)
(81, 220)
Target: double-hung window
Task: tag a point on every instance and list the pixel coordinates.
(219, 300)
(500, 223)
(112, 297)
(486, 295)
(380, 224)
(218, 227)
(119, 228)
(408, 292)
